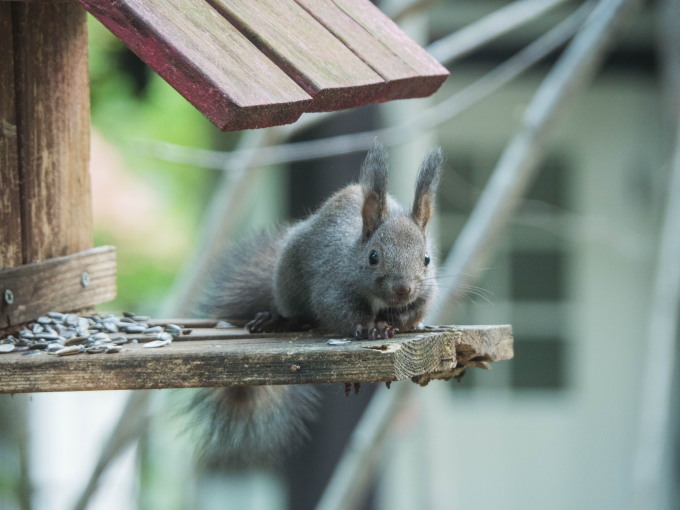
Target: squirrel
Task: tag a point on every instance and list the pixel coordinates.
(360, 266)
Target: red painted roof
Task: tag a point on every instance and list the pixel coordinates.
(256, 63)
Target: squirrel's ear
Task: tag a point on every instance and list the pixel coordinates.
(426, 187)
(373, 180)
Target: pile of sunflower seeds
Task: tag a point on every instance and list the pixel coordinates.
(67, 334)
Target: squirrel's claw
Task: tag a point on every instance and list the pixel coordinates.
(267, 322)
(374, 331)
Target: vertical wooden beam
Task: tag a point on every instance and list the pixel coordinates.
(53, 131)
(10, 211)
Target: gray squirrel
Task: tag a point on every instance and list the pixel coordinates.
(360, 266)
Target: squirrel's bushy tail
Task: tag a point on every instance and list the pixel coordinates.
(249, 426)
(245, 426)
(239, 283)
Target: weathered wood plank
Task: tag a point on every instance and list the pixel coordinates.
(205, 59)
(403, 80)
(10, 210)
(389, 34)
(53, 128)
(57, 284)
(319, 62)
(236, 358)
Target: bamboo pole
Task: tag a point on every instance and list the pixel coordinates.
(490, 27)
(652, 484)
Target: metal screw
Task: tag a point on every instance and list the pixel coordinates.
(84, 278)
(8, 296)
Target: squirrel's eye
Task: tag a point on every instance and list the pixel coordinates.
(373, 257)
(427, 260)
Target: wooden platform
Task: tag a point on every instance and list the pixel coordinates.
(207, 356)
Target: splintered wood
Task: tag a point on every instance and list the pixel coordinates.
(204, 355)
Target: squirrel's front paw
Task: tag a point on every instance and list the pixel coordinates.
(374, 331)
(270, 322)
(267, 322)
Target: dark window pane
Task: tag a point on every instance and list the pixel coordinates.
(538, 364)
(537, 275)
(549, 186)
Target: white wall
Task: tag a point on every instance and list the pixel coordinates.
(498, 447)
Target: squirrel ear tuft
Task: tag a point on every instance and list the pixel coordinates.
(426, 187)
(373, 180)
(373, 174)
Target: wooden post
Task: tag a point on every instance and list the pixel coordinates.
(45, 202)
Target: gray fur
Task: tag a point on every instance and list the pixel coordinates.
(323, 275)
(319, 272)
(249, 426)
(237, 285)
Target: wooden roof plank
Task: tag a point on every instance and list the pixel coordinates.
(206, 59)
(319, 62)
(403, 80)
(389, 34)
(233, 357)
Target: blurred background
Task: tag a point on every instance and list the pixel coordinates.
(560, 426)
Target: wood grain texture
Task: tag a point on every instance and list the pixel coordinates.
(233, 357)
(403, 80)
(205, 59)
(56, 285)
(391, 36)
(53, 128)
(312, 56)
(10, 188)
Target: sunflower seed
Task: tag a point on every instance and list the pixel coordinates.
(156, 343)
(173, 329)
(4, 348)
(338, 341)
(164, 336)
(69, 351)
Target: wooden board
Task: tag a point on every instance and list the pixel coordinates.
(406, 75)
(53, 128)
(224, 357)
(388, 33)
(10, 189)
(318, 62)
(57, 284)
(206, 59)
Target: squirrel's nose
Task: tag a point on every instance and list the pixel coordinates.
(401, 289)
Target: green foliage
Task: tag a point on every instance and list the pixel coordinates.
(130, 105)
